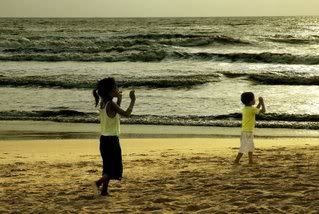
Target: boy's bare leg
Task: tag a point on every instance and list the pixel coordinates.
(250, 155)
(238, 158)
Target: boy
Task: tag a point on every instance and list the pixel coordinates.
(248, 124)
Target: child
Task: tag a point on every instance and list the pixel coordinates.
(110, 148)
(248, 124)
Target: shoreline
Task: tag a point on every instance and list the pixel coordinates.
(30, 130)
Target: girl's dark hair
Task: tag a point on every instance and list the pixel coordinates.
(247, 97)
(103, 89)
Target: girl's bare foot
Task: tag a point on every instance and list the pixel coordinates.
(105, 193)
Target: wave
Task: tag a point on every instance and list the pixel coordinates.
(86, 82)
(289, 39)
(69, 46)
(57, 116)
(159, 55)
(189, 40)
(62, 48)
(162, 36)
(140, 56)
(277, 78)
(265, 57)
(269, 120)
(295, 79)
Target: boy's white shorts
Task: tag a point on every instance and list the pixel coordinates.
(246, 142)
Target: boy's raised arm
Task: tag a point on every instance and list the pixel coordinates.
(262, 105)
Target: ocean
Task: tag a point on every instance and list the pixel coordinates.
(186, 71)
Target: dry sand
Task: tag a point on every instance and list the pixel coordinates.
(161, 175)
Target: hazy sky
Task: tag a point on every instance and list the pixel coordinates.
(162, 8)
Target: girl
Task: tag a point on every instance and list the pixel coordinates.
(110, 148)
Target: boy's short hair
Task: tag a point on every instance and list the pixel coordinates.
(247, 97)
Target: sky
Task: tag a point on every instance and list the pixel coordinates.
(156, 8)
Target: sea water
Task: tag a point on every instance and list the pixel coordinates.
(186, 71)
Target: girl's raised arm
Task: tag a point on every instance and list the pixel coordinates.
(126, 113)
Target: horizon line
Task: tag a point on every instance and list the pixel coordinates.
(125, 17)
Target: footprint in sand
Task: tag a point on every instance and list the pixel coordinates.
(87, 197)
(20, 157)
(93, 171)
(153, 208)
(163, 200)
(192, 208)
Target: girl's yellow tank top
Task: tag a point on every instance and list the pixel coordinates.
(110, 126)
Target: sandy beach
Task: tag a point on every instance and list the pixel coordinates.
(176, 175)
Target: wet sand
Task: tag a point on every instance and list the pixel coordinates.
(177, 175)
(26, 129)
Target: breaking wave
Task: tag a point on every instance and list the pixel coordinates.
(270, 120)
(159, 55)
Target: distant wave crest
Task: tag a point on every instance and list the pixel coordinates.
(277, 78)
(289, 39)
(189, 40)
(159, 55)
(81, 44)
(78, 81)
(265, 57)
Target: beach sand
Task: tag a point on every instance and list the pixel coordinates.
(177, 175)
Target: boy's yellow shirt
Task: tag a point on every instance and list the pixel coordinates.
(249, 118)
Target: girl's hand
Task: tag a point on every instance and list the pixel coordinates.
(261, 100)
(119, 95)
(132, 95)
